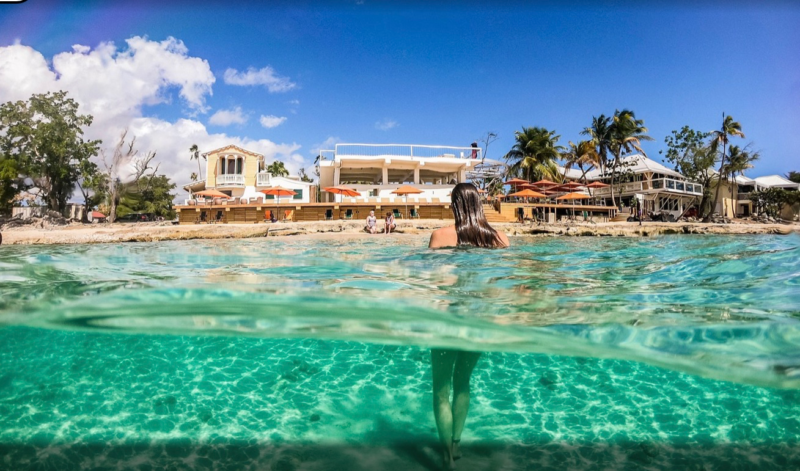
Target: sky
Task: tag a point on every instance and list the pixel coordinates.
(286, 79)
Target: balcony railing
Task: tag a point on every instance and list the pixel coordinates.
(660, 184)
(401, 150)
(263, 179)
(230, 180)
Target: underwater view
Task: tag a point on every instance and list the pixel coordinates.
(314, 353)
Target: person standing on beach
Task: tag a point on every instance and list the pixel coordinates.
(453, 368)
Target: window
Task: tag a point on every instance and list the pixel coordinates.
(298, 195)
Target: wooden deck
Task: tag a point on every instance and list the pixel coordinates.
(255, 213)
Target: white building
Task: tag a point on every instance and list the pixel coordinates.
(664, 190)
(376, 170)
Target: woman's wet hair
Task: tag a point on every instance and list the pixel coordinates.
(472, 228)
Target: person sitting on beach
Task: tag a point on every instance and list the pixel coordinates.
(389, 223)
(372, 223)
(453, 368)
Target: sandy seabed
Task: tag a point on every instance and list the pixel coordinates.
(149, 232)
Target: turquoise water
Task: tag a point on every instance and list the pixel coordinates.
(678, 352)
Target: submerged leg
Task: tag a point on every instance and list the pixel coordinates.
(465, 363)
(442, 362)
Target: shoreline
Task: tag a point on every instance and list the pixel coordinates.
(154, 232)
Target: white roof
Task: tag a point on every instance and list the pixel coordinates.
(742, 180)
(637, 163)
(776, 181)
(572, 173)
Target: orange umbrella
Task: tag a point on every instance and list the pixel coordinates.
(212, 194)
(569, 186)
(406, 190)
(528, 194)
(544, 183)
(573, 197)
(515, 181)
(278, 191)
(597, 185)
(342, 190)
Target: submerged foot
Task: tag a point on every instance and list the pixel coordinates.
(456, 450)
(447, 460)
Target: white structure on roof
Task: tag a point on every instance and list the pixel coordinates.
(376, 170)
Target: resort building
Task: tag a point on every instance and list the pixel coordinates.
(240, 173)
(662, 189)
(377, 170)
(734, 198)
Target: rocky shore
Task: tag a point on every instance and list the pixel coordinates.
(150, 232)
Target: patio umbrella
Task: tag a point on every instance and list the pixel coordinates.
(212, 194)
(596, 185)
(342, 190)
(278, 191)
(528, 194)
(573, 197)
(406, 190)
(544, 183)
(514, 182)
(570, 186)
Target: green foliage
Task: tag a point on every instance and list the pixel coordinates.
(793, 176)
(693, 157)
(151, 194)
(534, 154)
(277, 169)
(44, 138)
(772, 200)
(304, 176)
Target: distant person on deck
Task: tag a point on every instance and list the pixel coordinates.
(372, 223)
(453, 368)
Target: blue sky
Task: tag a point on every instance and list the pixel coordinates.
(446, 74)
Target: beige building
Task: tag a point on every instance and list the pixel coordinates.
(734, 197)
(242, 173)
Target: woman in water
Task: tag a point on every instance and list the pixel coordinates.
(454, 367)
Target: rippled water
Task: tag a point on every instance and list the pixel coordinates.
(602, 353)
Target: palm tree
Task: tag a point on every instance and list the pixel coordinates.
(729, 128)
(194, 154)
(583, 155)
(194, 177)
(626, 133)
(739, 161)
(534, 154)
(277, 169)
(600, 133)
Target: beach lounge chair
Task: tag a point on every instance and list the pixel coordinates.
(348, 214)
(287, 215)
(397, 213)
(414, 213)
(218, 217)
(328, 214)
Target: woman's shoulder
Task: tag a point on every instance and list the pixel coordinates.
(444, 237)
(503, 238)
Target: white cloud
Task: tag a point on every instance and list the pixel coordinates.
(294, 102)
(115, 86)
(228, 117)
(327, 144)
(264, 76)
(271, 121)
(386, 124)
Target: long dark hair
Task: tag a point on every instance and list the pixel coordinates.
(472, 228)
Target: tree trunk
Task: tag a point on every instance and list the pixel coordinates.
(199, 170)
(719, 184)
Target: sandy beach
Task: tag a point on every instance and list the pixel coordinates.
(149, 232)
